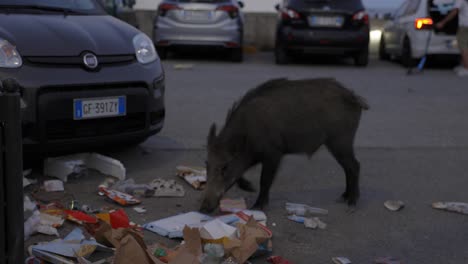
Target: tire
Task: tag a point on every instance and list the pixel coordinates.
(406, 58)
(383, 55)
(162, 52)
(237, 55)
(361, 59)
(281, 56)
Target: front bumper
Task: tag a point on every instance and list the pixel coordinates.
(323, 41)
(48, 93)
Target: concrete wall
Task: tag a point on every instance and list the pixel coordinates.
(259, 31)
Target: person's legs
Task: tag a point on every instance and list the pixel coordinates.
(462, 39)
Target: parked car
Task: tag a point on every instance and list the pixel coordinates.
(322, 27)
(200, 23)
(87, 79)
(410, 32)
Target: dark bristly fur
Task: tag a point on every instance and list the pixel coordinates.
(284, 117)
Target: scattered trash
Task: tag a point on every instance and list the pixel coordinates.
(76, 165)
(54, 186)
(31, 224)
(28, 205)
(140, 210)
(387, 260)
(341, 260)
(130, 187)
(273, 224)
(72, 246)
(232, 205)
(278, 260)
(394, 205)
(304, 210)
(183, 66)
(167, 188)
(243, 217)
(230, 260)
(26, 181)
(457, 207)
(128, 243)
(116, 219)
(312, 223)
(213, 253)
(119, 197)
(193, 175)
(216, 231)
(80, 217)
(173, 226)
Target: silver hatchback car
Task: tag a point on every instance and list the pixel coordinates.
(200, 23)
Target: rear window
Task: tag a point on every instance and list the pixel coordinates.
(348, 5)
(438, 10)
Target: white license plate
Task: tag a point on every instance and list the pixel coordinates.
(197, 15)
(326, 21)
(99, 107)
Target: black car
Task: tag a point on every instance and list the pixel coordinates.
(87, 79)
(335, 27)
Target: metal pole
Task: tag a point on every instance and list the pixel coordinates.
(10, 116)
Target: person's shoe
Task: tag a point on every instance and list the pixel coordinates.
(463, 72)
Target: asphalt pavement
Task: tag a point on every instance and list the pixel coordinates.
(412, 145)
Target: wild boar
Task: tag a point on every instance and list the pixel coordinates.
(283, 117)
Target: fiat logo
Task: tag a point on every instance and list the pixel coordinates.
(90, 60)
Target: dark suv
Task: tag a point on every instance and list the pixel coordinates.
(335, 27)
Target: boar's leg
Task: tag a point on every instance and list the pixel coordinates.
(269, 168)
(245, 185)
(344, 154)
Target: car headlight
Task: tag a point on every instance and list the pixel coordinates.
(9, 56)
(144, 49)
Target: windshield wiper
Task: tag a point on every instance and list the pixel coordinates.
(63, 10)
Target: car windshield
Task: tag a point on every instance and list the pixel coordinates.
(349, 5)
(82, 7)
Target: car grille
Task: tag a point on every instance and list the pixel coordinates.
(78, 60)
(65, 129)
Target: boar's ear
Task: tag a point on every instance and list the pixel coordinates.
(212, 134)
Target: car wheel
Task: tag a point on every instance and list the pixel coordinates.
(162, 52)
(407, 59)
(383, 55)
(237, 55)
(281, 56)
(361, 59)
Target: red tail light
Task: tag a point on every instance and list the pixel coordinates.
(423, 23)
(361, 16)
(165, 7)
(233, 11)
(288, 14)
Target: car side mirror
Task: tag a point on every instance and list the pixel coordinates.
(277, 7)
(241, 4)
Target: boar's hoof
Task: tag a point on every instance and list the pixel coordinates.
(245, 185)
(343, 198)
(259, 206)
(351, 209)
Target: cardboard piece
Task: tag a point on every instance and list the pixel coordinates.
(232, 205)
(62, 167)
(129, 244)
(173, 226)
(215, 231)
(251, 235)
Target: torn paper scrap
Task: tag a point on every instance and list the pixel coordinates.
(53, 186)
(232, 205)
(457, 207)
(195, 176)
(62, 167)
(173, 226)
